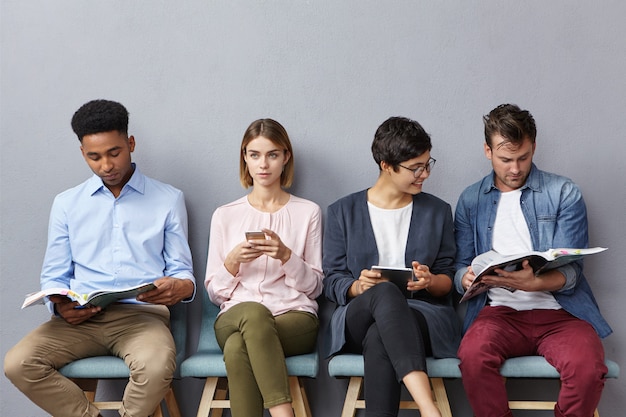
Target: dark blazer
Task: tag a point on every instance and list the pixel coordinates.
(349, 247)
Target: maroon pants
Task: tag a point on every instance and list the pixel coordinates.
(571, 345)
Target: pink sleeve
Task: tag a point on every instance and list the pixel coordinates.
(304, 273)
(219, 283)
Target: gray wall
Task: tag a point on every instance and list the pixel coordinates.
(195, 73)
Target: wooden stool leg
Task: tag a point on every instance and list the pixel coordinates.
(172, 404)
(441, 396)
(208, 394)
(352, 397)
(299, 403)
(88, 386)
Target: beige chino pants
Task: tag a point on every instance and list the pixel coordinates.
(139, 334)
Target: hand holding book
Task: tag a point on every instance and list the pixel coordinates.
(100, 298)
(487, 263)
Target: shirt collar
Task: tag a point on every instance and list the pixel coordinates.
(137, 182)
(533, 181)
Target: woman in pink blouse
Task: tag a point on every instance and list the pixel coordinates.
(266, 288)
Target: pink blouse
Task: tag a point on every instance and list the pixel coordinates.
(281, 288)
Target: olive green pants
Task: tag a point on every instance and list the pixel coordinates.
(255, 345)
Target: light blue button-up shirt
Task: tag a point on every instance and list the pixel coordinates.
(99, 242)
(556, 215)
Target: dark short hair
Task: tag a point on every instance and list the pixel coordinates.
(510, 122)
(99, 116)
(399, 139)
(274, 131)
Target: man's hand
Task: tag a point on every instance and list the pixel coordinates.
(526, 280)
(71, 311)
(468, 278)
(168, 291)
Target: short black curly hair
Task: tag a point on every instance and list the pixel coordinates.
(99, 116)
(399, 139)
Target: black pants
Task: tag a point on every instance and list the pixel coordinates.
(392, 338)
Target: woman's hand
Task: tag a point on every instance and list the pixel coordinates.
(424, 277)
(272, 247)
(240, 254)
(367, 280)
(438, 285)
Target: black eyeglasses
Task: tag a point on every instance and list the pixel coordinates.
(420, 169)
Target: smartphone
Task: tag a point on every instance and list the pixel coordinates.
(255, 236)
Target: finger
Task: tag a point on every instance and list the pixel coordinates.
(59, 299)
(367, 273)
(272, 235)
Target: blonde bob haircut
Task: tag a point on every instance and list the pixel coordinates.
(274, 131)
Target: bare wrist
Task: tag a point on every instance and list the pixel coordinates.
(286, 256)
(232, 267)
(355, 289)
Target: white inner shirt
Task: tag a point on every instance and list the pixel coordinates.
(391, 231)
(510, 237)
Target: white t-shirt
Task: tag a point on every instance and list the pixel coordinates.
(511, 236)
(391, 230)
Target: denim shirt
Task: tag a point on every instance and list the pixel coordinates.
(556, 215)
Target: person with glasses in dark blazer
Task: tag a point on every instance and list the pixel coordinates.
(392, 224)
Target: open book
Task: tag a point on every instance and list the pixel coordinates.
(486, 264)
(99, 298)
(399, 276)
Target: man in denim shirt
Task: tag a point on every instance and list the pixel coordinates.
(515, 209)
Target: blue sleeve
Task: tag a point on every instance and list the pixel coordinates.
(176, 251)
(464, 237)
(58, 268)
(571, 231)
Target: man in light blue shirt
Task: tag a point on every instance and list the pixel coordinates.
(116, 230)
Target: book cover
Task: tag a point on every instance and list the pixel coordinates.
(99, 298)
(486, 264)
(399, 276)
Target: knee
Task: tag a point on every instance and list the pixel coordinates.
(153, 365)
(254, 320)
(583, 369)
(468, 350)
(387, 290)
(255, 314)
(235, 349)
(20, 364)
(13, 367)
(478, 357)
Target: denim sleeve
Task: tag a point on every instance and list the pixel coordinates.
(464, 236)
(571, 231)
